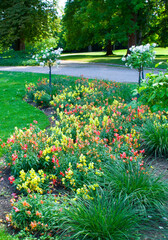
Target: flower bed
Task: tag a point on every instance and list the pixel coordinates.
(93, 152)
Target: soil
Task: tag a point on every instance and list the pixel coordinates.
(6, 189)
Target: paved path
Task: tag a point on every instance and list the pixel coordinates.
(88, 70)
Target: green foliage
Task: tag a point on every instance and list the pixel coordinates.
(16, 58)
(155, 137)
(5, 235)
(113, 22)
(42, 44)
(138, 181)
(15, 111)
(26, 21)
(104, 217)
(35, 213)
(140, 56)
(154, 91)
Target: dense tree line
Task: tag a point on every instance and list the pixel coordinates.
(85, 22)
(107, 22)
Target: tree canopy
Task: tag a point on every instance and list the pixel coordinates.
(26, 20)
(129, 22)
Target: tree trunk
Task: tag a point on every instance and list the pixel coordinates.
(131, 41)
(109, 48)
(132, 38)
(19, 45)
(90, 48)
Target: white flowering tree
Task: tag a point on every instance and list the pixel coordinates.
(140, 57)
(48, 57)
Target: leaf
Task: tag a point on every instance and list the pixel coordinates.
(158, 64)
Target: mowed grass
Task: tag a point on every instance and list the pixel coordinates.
(6, 236)
(13, 110)
(100, 57)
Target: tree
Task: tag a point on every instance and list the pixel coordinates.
(162, 23)
(129, 22)
(26, 20)
(85, 23)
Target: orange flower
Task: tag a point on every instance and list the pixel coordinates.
(25, 204)
(38, 214)
(33, 225)
(28, 212)
(41, 201)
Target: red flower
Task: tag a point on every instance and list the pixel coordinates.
(11, 179)
(16, 209)
(123, 155)
(61, 173)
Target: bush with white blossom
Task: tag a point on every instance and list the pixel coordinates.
(140, 56)
(48, 57)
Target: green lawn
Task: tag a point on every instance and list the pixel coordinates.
(100, 57)
(6, 236)
(13, 110)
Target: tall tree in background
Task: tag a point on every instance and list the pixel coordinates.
(77, 32)
(162, 26)
(129, 22)
(86, 22)
(26, 20)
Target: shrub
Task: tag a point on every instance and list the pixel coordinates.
(137, 181)
(35, 213)
(41, 98)
(155, 137)
(104, 217)
(23, 150)
(154, 91)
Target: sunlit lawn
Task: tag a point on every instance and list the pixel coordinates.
(100, 57)
(13, 110)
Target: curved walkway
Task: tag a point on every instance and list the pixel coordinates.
(88, 70)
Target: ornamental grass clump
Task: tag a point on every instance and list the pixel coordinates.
(155, 137)
(137, 180)
(104, 217)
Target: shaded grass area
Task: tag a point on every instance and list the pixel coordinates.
(16, 58)
(14, 111)
(100, 57)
